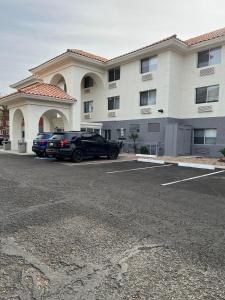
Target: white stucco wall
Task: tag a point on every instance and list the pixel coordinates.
(175, 79)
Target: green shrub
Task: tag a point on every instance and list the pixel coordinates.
(144, 150)
(222, 151)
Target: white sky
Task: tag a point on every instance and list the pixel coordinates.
(32, 31)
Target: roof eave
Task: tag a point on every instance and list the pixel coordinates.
(13, 97)
(172, 43)
(24, 82)
(63, 56)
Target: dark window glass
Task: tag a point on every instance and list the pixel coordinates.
(148, 97)
(207, 94)
(209, 57)
(88, 106)
(145, 65)
(205, 136)
(113, 103)
(107, 134)
(203, 59)
(149, 64)
(65, 87)
(114, 74)
(88, 82)
(201, 95)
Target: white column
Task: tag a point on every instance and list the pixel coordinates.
(74, 89)
(31, 126)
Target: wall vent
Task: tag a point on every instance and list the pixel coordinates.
(146, 77)
(205, 108)
(112, 85)
(87, 91)
(88, 116)
(146, 110)
(112, 114)
(207, 71)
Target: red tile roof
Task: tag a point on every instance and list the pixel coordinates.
(206, 37)
(88, 55)
(43, 90)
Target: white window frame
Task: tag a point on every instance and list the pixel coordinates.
(90, 106)
(209, 64)
(207, 93)
(205, 136)
(149, 59)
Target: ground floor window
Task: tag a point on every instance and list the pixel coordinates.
(205, 136)
(107, 134)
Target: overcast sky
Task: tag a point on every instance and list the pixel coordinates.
(32, 31)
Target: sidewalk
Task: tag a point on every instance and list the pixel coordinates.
(193, 160)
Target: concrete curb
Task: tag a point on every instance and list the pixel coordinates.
(197, 166)
(154, 161)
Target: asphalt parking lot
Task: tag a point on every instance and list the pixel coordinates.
(110, 230)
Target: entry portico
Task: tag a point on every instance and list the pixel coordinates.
(29, 105)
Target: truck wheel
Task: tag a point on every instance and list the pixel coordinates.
(113, 155)
(77, 156)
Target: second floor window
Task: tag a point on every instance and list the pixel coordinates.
(88, 82)
(113, 103)
(207, 94)
(209, 57)
(149, 64)
(148, 97)
(114, 74)
(88, 106)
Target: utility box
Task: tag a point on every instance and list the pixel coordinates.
(22, 147)
(6, 145)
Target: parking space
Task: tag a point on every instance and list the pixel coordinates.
(107, 224)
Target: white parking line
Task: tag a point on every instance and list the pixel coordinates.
(192, 178)
(95, 163)
(137, 169)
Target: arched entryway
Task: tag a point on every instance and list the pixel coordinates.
(59, 81)
(18, 125)
(53, 120)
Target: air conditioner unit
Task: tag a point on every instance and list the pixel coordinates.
(146, 110)
(146, 77)
(207, 71)
(88, 116)
(87, 91)
(205, 108)
(112, 85)
(112, 114)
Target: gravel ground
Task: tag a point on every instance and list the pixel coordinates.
(76, 231)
